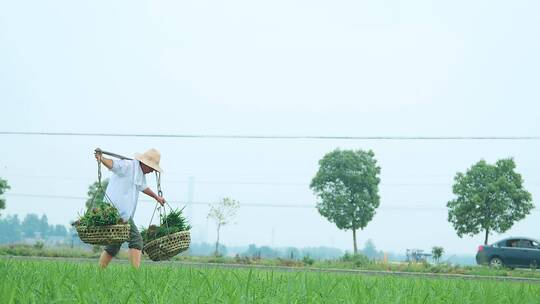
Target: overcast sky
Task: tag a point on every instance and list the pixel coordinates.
(338, 68)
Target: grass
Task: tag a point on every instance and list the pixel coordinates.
(64, 282)
(364, 264)
(431, 268)
(52, 252)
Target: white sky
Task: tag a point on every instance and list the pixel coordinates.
(364, 68)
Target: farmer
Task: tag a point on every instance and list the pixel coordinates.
(123, 190)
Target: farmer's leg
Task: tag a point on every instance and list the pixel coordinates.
(135, 257)
(135, 245)
(107, 255)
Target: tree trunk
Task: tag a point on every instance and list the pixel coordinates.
(354, 240)
(486, 239)
(216, 253)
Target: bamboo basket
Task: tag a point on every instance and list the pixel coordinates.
(166, 247)
(103, 235)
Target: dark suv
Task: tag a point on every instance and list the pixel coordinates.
(510, 252)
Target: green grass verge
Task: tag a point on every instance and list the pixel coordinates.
(64, 282)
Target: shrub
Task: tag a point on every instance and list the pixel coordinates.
(289, 263)
(308, 260)
(39, 245)
(357, 260)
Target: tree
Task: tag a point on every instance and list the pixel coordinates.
(44, 228)
(58, 230)
(205, 249)
(436, 253)
(292, 253)
(223, 213)
(95, 191)
(489, 198)
(3, 187)
(73, 237)
(31, 225)
(10, 229)
(347, 186)
(370, 250)
(261, 252)
(252, 250)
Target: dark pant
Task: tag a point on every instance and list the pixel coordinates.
(135, 240)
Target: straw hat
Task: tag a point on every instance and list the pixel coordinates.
(150, 158)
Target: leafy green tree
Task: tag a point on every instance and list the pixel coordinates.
(3, 187)
(95, 191)
(223, 213)
(347, 185)
(489, 198)
(436, 253)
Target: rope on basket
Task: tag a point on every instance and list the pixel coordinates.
(99, 186)
(161, 209)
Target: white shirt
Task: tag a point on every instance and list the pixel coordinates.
(124, 186)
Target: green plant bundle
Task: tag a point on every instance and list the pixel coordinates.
(103, 214)
(172, 223)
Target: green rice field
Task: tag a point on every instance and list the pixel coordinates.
(68, 282)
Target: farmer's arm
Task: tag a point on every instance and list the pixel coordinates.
(107, 162)
(151, 193)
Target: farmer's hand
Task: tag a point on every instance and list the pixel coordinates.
(98, 155)
(102, 160)
(161, 200)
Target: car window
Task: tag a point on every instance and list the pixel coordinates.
(512, 243)
(526, 244)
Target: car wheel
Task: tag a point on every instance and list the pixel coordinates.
(496, 262)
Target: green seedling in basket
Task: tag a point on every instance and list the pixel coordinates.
(102, 214)
(172, 223)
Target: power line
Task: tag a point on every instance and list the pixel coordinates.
(418, 207)
(225, 182)
(171, 202)
(169, 182)
(307, 137)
